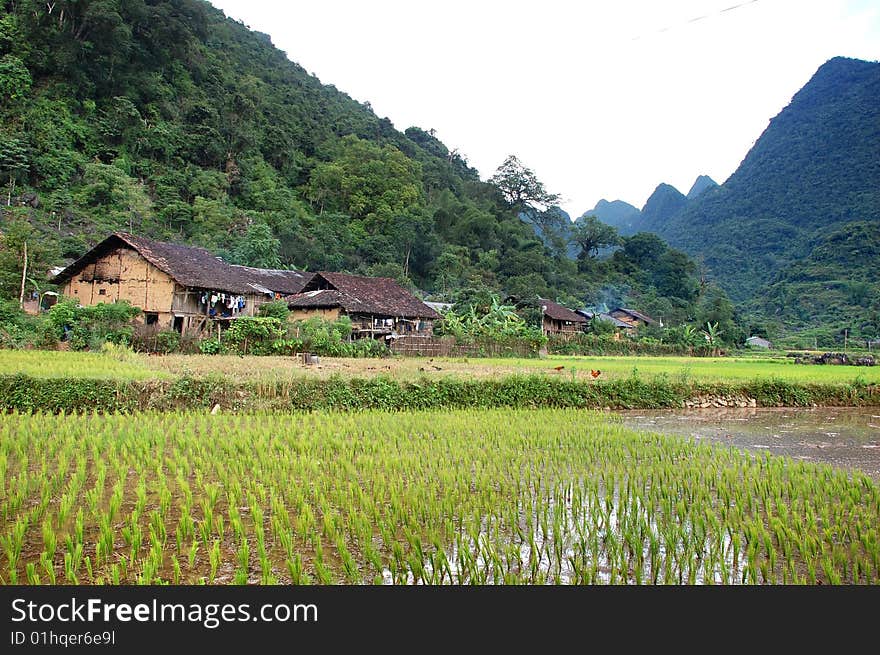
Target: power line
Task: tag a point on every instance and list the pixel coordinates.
(695, 19)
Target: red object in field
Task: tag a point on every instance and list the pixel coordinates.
(595, 374)
(558, 368)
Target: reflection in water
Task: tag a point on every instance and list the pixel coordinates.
(848, 437)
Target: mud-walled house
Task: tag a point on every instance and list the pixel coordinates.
(177, 287)
(377, 306)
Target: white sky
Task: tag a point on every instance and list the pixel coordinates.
(600, 99)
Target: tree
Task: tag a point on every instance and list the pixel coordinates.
(674, 275)
(521, 188)
(712, 334)
(590, 234)
(258, 247)
(644, 249)
(15, 80)
(14, 163)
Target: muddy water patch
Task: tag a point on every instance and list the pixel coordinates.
(846, 437)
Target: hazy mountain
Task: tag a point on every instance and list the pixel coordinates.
(814, 170)
(665, 203)
(701, 184)
(616, 213)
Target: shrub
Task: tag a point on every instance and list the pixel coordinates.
(211, 346)
(253, 335)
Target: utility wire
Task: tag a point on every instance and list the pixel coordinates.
(695, 19)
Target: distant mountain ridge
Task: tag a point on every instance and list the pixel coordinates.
(811, 178)
(665, 202)
(702, 184)
(816, 168)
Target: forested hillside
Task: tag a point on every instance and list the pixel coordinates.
(166, 119)
(791, 211)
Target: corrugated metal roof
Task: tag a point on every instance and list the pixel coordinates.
(604, 317)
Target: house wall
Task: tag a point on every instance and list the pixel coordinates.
(379, 324)
(301, 314)
(122, 274)
(632, 321)
(554, 326)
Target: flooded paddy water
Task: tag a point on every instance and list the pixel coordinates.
(847, 437)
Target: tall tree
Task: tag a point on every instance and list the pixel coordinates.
(521, 188)
(590, 234)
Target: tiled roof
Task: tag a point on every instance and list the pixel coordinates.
(381, 296)
(191, 266)
(635, 314)
(559, 313)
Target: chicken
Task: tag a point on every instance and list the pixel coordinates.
(595, 374)
(558, 368)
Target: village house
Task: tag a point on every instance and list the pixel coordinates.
(176, 287)
(758, 342)
(619, 326)
(377, 306)
(557, 319)
(632, 318)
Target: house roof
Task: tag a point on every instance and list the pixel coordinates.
(190, 266)
(635, 314)
(559, 313)
(604, 317)
(361, 295)
(759, 341)
(279, 281)
(440, 307)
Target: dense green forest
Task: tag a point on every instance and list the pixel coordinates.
(166, 119)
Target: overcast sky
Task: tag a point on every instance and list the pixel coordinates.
(600, 99)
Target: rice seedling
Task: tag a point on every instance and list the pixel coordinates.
(460, 497)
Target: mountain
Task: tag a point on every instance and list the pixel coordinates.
(665, 202)
(554, 228)
(814, 171)
(701, 184)
(834, 285)
(617, 213)
(662, 205)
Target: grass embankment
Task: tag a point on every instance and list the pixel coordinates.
(74, 382)
(454, 497)
(28, 394)
(130, 366)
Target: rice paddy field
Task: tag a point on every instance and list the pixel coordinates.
(455, 497)
(66, 364)
(274, 369)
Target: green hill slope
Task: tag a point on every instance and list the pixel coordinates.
(814, 170)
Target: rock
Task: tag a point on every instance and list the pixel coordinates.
(215, 409)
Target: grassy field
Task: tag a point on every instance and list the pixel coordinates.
(474, 497)
(64, 364)
(272, 369)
